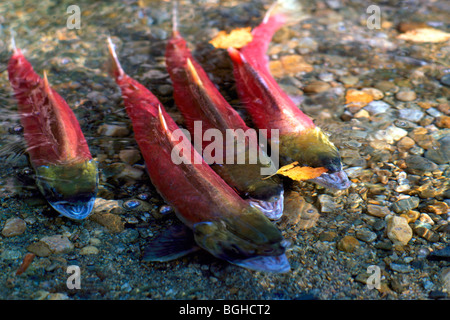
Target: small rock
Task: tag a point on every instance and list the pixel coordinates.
(398, 230)
(407, 95)
(390, 134)
(112, 130)
(357, 96)
(298, 213)
(426, 234)
(443, 122)
(411, 216)
(316, 87)
(374, 92)
(327, 203)
(377, 107)
(413, 115)
(442, 254)
(112, 222)
(56, 244)
(405, 205)
(424, 218)
(405, 143)
(419, 165)
(165, 89)
(378, 211)
(14, 227)
(289, 65)
(130, 156)
(327, 236)
(386, 86)
(349, 80)
(434, 112)
(57, 296)
(348, 244)
(366, 235)
(326, 76)
(445, 80)
(438, 208)
(402, 268)
(89, 250)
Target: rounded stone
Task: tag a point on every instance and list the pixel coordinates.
(89, 250)
(14, 227)
(407, 95)
(348, 244)
(398, 230)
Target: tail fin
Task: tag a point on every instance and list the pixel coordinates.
(175, 18)
(115, 67)
(291, 9)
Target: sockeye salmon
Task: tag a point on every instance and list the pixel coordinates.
(300, 140)
(202, 105)
(66, 174)
(217, 219)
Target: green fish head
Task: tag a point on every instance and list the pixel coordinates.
(69, 188)
(249, 240)
(313, 149)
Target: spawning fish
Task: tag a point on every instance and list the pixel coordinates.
(201, 102)
(66, 174)
(216, 218)
(300, 140)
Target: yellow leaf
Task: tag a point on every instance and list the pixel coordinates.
(298, 173)
(237, 38)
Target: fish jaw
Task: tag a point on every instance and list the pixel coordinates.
(241, 240)
(272, 208)
(275, 264)
(69, 188)
(337, 180)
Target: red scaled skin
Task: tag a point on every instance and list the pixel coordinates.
(223, 223)
(51, 129)
(271, 108)
(199, 100)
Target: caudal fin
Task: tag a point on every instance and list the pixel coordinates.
(291, 9)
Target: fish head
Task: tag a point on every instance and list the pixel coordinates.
(312, 148)
(70, 189)
(249, 240)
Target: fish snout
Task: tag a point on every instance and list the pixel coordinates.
(336, 180)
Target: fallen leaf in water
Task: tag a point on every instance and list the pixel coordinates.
(237, 38)
(298, 173)
(425, 35)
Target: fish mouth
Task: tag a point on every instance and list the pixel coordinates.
(74, 210)
(336, 180)
(275, 264)
(272, 209)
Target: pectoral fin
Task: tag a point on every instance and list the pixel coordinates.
(175, 242)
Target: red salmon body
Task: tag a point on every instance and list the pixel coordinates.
(66, 174)
(300, 140)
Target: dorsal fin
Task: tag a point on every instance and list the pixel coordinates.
(193, 73)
